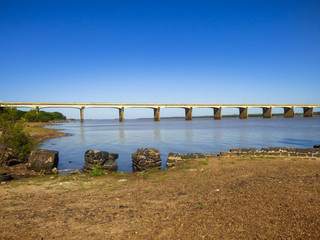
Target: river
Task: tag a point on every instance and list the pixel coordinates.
(201, 135)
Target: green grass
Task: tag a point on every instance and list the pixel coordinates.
(203, 162)
(17, 184)
(162, 178)
(199, 206)
(13, 204)
(184, 167)
(119, 175)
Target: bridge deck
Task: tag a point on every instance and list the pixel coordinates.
(243, 108)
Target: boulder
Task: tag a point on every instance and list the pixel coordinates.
(316, 146)
(145, 158)
(106, 160)
(43, 160)
(7, 156)
(5, 177)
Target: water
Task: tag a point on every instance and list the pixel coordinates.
(178, 136)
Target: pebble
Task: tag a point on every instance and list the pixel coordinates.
(122, 180)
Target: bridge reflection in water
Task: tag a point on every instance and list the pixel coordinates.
(217, 108)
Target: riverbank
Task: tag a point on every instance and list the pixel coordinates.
(230, 197)
(39, 132)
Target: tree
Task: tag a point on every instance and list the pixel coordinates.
(13, 134)
(31, 116)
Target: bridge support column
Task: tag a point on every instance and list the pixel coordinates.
(243, 113)
(156, 113)
(37, 112)
(81, 114)
(288, 112)
(188, 113)
(217, 113)
(267, 112)
(308, 111)
(121, 114)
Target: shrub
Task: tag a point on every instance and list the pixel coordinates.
(42, 116)
(31, 116)
(96, 171)
(14, 136)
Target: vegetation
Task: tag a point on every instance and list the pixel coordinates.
(96, 172)
(12, 130)
(13, 134)
(33, 115)
(42, 116)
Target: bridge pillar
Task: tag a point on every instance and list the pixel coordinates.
(243, 112)
(267, 112)
(81, 114)
(217, 113)
(188, 113)
(37, 111)
(121, 114)
(288, 112)
(156, 113)
(308, 111)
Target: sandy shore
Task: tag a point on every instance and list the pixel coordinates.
(40, 134)
(218, 198)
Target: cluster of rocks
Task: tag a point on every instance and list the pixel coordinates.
(39, 160)
(142, 159)
(107, 161)
(145, 158)
(46, 161)
(272, 151)
(174, 158)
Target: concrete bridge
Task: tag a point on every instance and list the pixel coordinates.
(217, 108)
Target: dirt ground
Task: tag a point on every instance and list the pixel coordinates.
(219, 198)
(39, 133)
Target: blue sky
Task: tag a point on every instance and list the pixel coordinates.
(159, 51)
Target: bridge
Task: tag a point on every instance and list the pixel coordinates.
(217, 108)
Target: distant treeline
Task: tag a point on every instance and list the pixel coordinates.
(32, 115)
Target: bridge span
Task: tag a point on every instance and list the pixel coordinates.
(217, 108)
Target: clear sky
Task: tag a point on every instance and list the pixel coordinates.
(159, 51)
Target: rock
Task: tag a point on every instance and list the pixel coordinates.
(7, 156)
(43, 160)
(55, 171)
(75, 172)
(5, 177)
(145, 158)
(316, 146)
(174, 158)
(106, 160)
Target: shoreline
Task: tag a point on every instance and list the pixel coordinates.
(39, 133)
